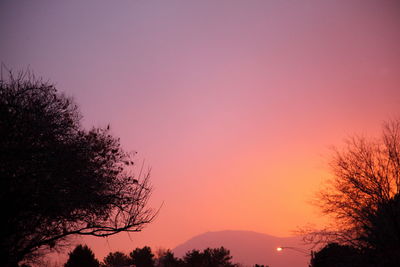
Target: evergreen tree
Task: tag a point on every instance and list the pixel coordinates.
(143, 257)
(82, 256)
(117, 259)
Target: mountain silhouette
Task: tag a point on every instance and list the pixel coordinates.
(249, 248)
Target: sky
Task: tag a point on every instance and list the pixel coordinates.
(234, 105)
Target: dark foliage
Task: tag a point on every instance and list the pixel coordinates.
(383, 233)
(142, 257)
(58, 179)
(383, 230)
(335, 255)
(169, 260)
(210, 257)
(117, 259)
(194, 258)
(82, 256)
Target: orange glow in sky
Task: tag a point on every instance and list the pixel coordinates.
(233, 104)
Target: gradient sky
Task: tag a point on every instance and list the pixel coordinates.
(233, 104)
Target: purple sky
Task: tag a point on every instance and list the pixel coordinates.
(233, 104)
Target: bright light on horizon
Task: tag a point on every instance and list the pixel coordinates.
(279, 249)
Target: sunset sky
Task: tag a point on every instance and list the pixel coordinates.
(233, 104)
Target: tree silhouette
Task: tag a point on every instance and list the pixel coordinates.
(194, 258)
(117, 259)
(336, 255)
(383, 232)
(217, 257)
(58, 179)
(363, 196)
(82, 256)
(210, 257)
(142, 257)
(169, 260)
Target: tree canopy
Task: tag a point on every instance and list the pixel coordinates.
(336, 255)
(82, 256)
(209, 257)
(142, 257)
(168, 259)
(117, 259)
(58, 179)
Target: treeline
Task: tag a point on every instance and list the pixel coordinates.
(82, 255)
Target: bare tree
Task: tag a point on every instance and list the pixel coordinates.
(58, 179)
(360, 195)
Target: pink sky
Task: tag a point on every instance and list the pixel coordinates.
(234, 104)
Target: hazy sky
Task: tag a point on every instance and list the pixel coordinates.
(234, 104)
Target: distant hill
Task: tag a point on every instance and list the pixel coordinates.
(249, 248)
